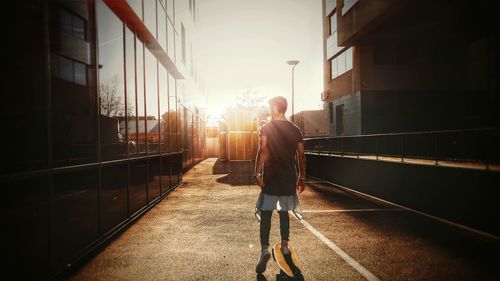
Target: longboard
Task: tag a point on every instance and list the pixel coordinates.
(288, 264)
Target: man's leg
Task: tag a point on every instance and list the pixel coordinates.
(265, 229)
(284, 230)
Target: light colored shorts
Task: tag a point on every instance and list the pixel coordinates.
(267, 202)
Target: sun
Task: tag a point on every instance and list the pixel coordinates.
(216, 112)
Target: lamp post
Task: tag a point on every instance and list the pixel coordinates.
(293, 63)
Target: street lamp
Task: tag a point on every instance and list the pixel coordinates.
(293, 63)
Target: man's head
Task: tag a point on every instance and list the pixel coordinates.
(278, 106)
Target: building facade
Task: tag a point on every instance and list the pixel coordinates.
(402, 66)
(104, 105)
(313, 123)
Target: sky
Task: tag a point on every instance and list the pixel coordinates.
(244, 45)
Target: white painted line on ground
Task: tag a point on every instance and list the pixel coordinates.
(358, 267)
(352, 210)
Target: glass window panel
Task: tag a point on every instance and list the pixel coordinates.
(170, 9)
(348, 59)
(194, 10)
(334, 70)
(162, 28)
(164, 114)
(138, 192)
(150, 16)
(162, 4)
(136, 5)
(341, 63)
(80, 73)
(333, 23)
(131, 132)
(78, 27)
(113, 196)
(170, 40)
(111, 78)
(152, 116)
(330, 5)
(76, 222)
(65, 69)
(153, 178)
(65, 21)
(174, 115)
(141, 114)
(74, 109)
(165, 174)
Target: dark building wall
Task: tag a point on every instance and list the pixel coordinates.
(363, 16)
(418, 69)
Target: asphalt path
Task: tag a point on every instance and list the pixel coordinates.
(206, 230)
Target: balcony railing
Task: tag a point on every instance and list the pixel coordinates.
(471, 148)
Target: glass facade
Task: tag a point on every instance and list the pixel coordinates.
(341, 63)
(99, 131)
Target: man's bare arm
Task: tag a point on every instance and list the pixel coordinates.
(302, 168)
(262, 156)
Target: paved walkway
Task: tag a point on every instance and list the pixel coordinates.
(206, 230)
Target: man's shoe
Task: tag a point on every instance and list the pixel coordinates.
(262, 264)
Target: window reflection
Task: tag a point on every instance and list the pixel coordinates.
(162, 28)
(153, 178)
(170, 9)
(68, 69)
(136, 5)
(138, 192)
(73, 94)
(141, 110)
(111, 83)
(150, 16)
(165, 174)
(131, 123)
(114, 195)
(71, 24)
(170, 40)
(152, 116)
(164, 114)
(75, 221)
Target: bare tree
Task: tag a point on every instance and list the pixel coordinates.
(250, 99)
(111, 97)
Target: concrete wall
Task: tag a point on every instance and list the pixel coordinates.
(362, 17)
(352, 114)
(465, 196)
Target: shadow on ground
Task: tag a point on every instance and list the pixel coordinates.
(455, 240)
(236, 173)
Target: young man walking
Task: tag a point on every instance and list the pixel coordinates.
(280, 145)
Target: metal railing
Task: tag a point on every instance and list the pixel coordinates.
(467, 145)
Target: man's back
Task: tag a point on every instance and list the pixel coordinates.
(280, 173)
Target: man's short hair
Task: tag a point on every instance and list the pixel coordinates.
(280, 103)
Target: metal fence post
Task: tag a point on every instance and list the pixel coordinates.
(357, 146)
(342, 147)
(435, 148)
(401, 140)
(485, 150)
